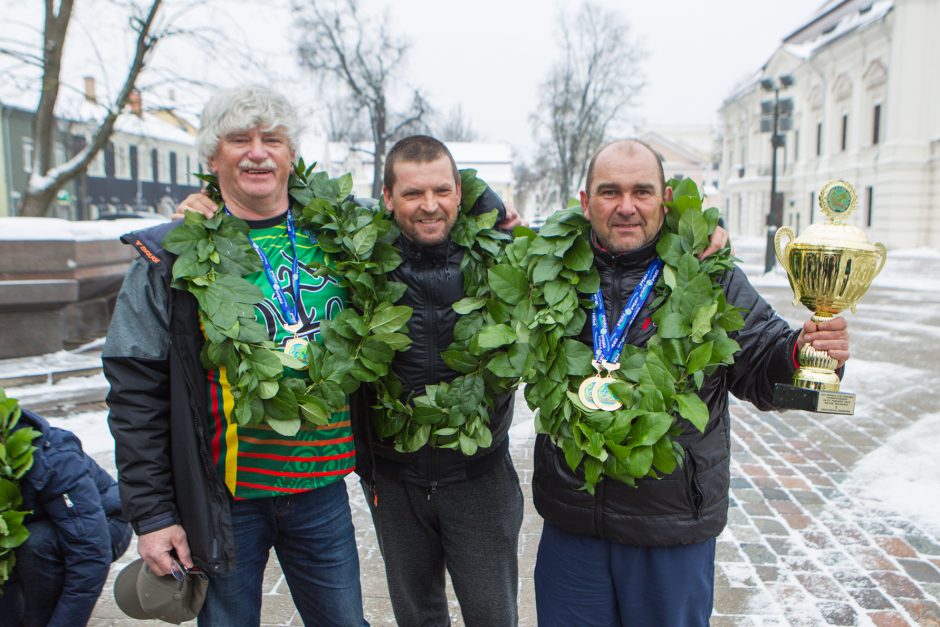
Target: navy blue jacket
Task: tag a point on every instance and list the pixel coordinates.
(66, 487)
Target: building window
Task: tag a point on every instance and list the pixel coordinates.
(28, 155)
(173, 168)
(796, 145)
(870, 193)
(876, 125)
(155, 165)
(135, 169)
(122, 170)
(818, 139)
(845, 131)
(109, 161)
(812, 206)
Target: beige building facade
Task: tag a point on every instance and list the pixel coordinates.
(864, 93)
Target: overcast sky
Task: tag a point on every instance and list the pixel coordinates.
(489, 56)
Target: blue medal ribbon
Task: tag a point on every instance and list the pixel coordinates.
(291, 313)
(607, 346)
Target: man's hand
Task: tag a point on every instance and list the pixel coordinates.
(830, 336)
(156, 547)
(200, 203)
(512, 219)
(716, 242)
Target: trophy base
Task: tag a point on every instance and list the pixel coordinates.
(822, 401)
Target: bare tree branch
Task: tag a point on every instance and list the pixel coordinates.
(585, 92)
(344, 47)
(45, 181)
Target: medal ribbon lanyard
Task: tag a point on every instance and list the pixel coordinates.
(608, 347)
(291, 314)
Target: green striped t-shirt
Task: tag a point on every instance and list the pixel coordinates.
(256, 461)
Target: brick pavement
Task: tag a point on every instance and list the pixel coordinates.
(801, 548)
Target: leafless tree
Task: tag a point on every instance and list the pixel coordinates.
(456, 127)
(586, 91)
(343, 46)
(40, 51)
(47, 178)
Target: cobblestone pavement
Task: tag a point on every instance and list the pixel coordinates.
(802, 546)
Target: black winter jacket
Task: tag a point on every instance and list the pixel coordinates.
(691, 504)
(434, 283)
(67, 488)
(159, 415)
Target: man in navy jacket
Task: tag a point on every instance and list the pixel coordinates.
(75, 532)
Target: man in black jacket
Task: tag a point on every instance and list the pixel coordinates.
(75, 532)
(438, 508)
(645, 555)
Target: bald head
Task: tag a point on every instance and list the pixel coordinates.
(625, 195)
(630, 147)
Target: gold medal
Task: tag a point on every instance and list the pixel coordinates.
(586, 391)
(601, 393)
(296, 347)
(603, 397)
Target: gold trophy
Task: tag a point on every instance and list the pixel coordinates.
(830, 267)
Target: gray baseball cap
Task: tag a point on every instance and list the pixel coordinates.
(143, 595)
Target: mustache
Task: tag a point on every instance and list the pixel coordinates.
(248, 164)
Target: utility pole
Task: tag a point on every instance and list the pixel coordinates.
(776, 116)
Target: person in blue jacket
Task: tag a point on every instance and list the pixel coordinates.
(75, 532)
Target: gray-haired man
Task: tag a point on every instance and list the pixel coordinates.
(199, 488)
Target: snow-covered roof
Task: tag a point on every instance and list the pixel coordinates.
(830, 22)
(828, 26)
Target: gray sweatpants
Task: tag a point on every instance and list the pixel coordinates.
(471, 528)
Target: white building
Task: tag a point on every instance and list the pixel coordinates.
(864, 97)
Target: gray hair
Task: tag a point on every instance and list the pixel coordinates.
(243, 108)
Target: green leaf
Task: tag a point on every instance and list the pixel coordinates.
(363, 241)
(648, 428)
(699, 357)
(494, 336)
(579, 257)
(578, 358)
(460, 360)
(501, 367)
(288, 427)
(546, 269)
(693, 409)
(469, 303)
(508, 283)
(389, 319)
(674, 325)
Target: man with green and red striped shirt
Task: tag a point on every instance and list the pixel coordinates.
(201, 490)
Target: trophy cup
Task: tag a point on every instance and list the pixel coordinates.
(830, 267)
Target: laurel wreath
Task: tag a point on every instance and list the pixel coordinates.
(659, 383)
(213, 256)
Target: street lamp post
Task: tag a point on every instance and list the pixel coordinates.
(776, 116)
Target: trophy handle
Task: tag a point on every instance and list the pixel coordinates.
(783, 231)
(884, 257)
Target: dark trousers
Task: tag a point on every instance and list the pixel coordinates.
(469, 528)
(585, 581)
(31, 595)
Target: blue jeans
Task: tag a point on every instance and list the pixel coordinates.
(313, 536)
(586, 581)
